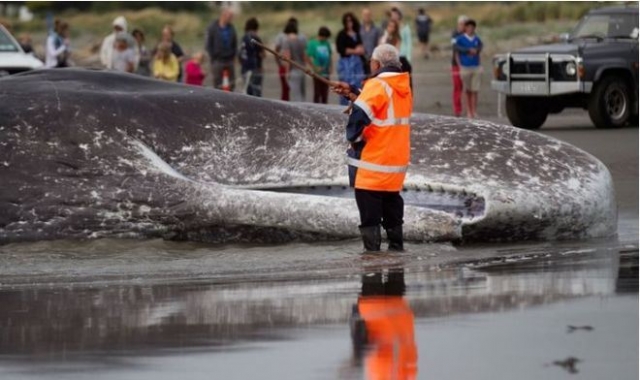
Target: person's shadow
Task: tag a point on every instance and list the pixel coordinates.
(382, 328)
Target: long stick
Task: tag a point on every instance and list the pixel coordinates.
(302, 68)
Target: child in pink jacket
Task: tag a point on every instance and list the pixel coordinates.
(193, 69)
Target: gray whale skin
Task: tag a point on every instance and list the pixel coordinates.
(89, 154)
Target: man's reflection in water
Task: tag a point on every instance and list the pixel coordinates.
(382, 328)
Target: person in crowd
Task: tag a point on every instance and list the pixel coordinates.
(387, 17)
(165, 64)
(351, 50)
(391, 35)
(222, 47)
(469, 47)
(167, 37)
(455, 68)
(144, 55)
(378, 130)
(370, 35)
(251, 57)
(320, 58)
(423, 26)
(108, 44)
(124, 58)
(26, 44)
(294, 48)
(193, 69)
(406, 42)
(282, 68)
(58, 46)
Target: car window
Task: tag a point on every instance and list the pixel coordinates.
(615, 25)
(7, 44)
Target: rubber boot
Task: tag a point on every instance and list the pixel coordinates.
(371, 238)
(394, 234)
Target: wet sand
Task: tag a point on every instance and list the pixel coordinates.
(507, 315)
(155, 310)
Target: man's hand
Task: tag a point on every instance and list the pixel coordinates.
(341, 88)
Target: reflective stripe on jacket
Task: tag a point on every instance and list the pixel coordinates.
(387, 101)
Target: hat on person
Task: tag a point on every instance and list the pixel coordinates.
(121, 22)
(463, 19)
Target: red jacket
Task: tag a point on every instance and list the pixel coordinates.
(195, 76)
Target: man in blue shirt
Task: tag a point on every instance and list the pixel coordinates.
(469, 46)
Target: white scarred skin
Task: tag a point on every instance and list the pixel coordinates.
(108, 155)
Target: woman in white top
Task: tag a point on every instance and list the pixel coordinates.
(57, 52)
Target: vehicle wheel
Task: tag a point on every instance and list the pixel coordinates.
(527, 112)
(609, 104)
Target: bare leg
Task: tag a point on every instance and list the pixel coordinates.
(474, 101)
(469, 99)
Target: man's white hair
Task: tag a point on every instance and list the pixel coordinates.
(387, 55)
(462, 18)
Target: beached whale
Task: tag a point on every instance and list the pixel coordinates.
(86, 154)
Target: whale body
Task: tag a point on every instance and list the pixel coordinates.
(89, 154)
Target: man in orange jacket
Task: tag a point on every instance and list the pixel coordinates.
(378, 130)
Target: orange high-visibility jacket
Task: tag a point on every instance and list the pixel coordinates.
(387, 101)
(390, 333)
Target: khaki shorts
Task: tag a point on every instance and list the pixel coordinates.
(471, 78)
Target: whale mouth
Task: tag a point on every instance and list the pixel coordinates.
(458, 203)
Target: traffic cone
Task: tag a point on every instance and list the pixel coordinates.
(226, 85)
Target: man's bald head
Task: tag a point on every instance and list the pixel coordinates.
(226, 15)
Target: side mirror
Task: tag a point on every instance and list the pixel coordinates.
(564, 37)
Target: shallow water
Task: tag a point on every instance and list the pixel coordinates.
(128, 309)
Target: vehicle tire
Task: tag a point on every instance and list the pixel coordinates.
(527, 112)
(610, 103)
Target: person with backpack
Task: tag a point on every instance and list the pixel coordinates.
(57, 49)
(251, 57)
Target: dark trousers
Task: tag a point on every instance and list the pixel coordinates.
(320, 91)
(217, 70)
(253, 82)
(380, 207)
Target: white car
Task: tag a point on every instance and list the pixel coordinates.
(13, 59)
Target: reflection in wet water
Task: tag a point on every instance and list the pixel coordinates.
(66, 319)
(382, 328)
